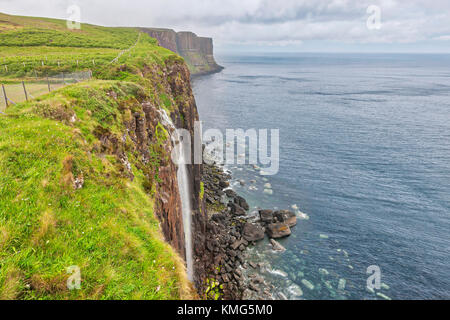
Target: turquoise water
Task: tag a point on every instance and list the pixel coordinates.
(365, 153)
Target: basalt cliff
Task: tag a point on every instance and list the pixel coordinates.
(198, 52)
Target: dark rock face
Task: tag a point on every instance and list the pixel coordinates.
(278, 230)
(287, 217)
(197, 51)
(253, 232)
(266, 216)
(236, 210)
(241, 202)
(167, 38)
(230, 193)
(141, 126)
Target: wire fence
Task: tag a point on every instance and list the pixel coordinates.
(13, 93)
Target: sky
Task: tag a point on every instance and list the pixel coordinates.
(272, 25)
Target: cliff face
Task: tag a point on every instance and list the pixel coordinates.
(198, 52)
(174, 80)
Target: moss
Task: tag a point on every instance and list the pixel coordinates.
(161, 134)
(202, 190)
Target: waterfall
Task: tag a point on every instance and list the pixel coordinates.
(184, 189)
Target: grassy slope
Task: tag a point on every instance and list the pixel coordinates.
(107, 227)
(48, 46)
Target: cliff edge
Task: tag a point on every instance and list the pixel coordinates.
(198, 52)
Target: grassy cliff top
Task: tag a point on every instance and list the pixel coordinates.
(30, 31)
(65, 200)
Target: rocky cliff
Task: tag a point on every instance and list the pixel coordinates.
(198, 52)
(103, 190)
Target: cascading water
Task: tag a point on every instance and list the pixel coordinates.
(184, 188)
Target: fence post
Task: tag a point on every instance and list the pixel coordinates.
(25, 90)
(4, 93)
(64, 80)
(48, 84)
(35, 73)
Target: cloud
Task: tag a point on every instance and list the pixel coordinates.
(264, 21)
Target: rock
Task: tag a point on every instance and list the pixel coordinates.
(241, 202)
(278, 230)
(232, 253)
(279, 273)
(295, 290)
(252, 264)
(242, 182)
(268, 186)
(226, 278)
(282, 296)
(328, 285)
(247, 294)
(236, 210)
(230, 193)
(252, 181)
(236, 244)
(341, 284)
(308, 284)
(266, 215)
(276, 246)
(268, 191)
(224, 184)
(252, 232)
(323, 271)
(78, 183)
(286, 216)
(253, 286)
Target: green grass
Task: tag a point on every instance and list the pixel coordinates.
(47, 46)
(108, 227)
(28, 31)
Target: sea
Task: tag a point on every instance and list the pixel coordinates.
(364, 161)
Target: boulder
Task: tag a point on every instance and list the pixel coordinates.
(276, 246)
(230, 193)
(237, 244)
(241, 202)
(286, 216)
(252, 232)
(236, 210)
(266, 215)
(224, 184)
(278, 230)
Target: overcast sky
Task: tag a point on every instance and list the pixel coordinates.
(276, 25)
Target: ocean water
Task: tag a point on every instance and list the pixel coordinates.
(364, 152)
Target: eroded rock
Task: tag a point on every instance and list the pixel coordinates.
(278, 230)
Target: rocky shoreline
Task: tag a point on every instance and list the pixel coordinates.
(231, 229)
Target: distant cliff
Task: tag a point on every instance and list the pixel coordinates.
(198, 52)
